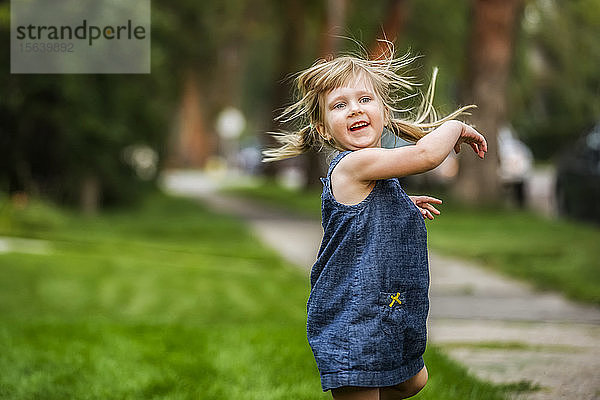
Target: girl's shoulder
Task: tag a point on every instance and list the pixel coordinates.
(345, 188)
(335, 160)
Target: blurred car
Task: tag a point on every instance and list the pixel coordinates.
(578, 178)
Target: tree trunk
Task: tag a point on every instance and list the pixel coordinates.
(488, 65)
(332, 28)
(190, 143)
(396, 15)
(289, 52)
(226, 82)
(329, 45)
(89, 196)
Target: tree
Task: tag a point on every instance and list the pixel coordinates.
(556, 93)
(293, 12)
(68, 137)
(330, 44)
(393, 26)
(488, 66)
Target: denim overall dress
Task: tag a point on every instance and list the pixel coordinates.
(369, 301)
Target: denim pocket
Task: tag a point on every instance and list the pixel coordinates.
(403, 325)
(391, 306)
(392, 316)
(415, 307)
(391, 319)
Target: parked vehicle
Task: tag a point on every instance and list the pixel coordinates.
(578, 178)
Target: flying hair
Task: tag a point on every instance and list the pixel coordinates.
(390, 85)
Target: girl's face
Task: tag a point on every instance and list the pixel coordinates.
(353, 115)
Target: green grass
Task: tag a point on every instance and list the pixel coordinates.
(168, 301)
(551, 254)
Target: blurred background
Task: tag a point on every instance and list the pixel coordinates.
(221, 70)
(109, 288)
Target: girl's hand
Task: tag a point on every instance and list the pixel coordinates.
(425, 205)
(473, 138)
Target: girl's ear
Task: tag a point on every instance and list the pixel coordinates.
(386, 116)
(322, 131)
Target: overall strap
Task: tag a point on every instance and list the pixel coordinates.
(325, 181)
(336, 160)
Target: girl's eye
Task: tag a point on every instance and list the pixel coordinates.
(339, 105)
(365, 99)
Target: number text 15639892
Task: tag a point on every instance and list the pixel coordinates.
(47, 47)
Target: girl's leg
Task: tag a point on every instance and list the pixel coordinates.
(407, 388)
(403, 390)
(355, 393)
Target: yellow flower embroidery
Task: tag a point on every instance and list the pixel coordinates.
(395, 298)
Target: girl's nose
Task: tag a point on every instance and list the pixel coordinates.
(355, 108)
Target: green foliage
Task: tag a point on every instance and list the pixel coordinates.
(438, 31)
(60, 130)
(22, 215)
(556, 86)
(169, 302)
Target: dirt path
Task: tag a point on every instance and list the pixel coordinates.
(501, 329)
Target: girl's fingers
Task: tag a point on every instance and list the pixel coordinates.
(430, 199)
(424, 204)
(476, 140)
(479, 149)
(457, 147)
(428, 211)
(431, 208)
(483, 144)
(427, 199)
(426, 214)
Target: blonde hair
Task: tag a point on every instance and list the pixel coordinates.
(325, 75)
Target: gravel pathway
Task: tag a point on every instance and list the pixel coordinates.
(501, 329)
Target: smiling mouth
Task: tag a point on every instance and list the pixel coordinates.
(358, 126)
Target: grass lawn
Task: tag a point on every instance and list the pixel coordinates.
(168, 302)
(551, 254)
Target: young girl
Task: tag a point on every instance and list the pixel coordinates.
(369, 302)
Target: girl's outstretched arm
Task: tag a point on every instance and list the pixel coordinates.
(371, 164)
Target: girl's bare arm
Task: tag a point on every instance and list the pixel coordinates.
(376, 163)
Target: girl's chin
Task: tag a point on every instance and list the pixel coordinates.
(366, 141)
(359, 146)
